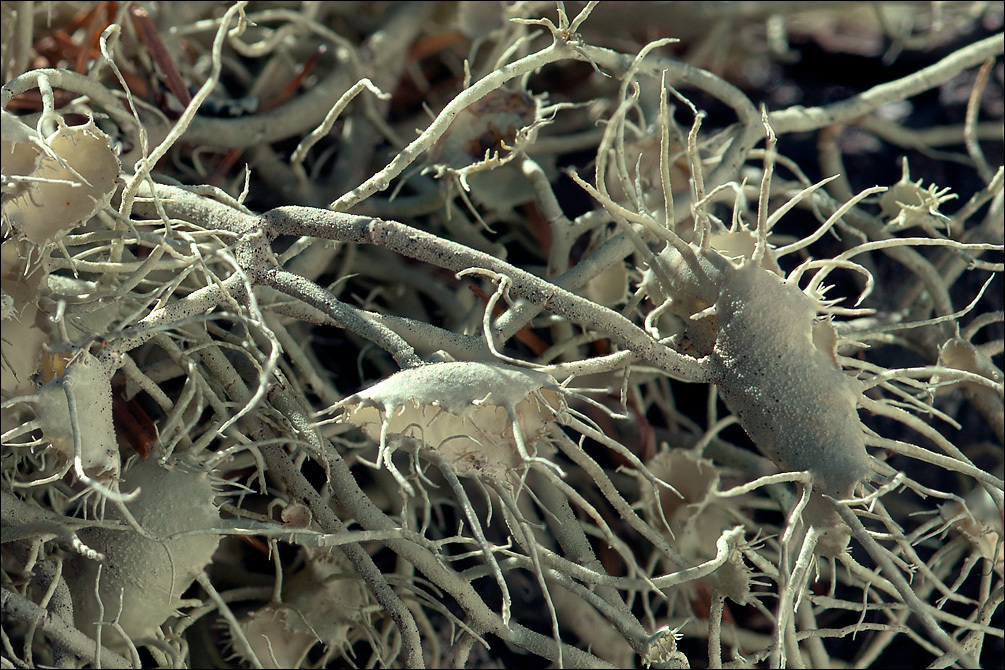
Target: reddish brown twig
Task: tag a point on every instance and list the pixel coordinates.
(151, 38)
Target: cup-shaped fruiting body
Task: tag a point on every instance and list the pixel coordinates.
(771, 363)
(610, 287)
(696, 516)
(23, 338)
(661, 649)
(150, 575)
(272, 638)
(800, 410)
(483, 418)
(978, 519)
(323, 602)
(85, 379)
(53, 185)
(484, 137)
(908, 203)
(488, 126)
(20, 149)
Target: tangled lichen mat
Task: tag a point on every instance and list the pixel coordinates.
(481, 334)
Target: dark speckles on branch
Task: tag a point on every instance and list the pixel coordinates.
(422, 246)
